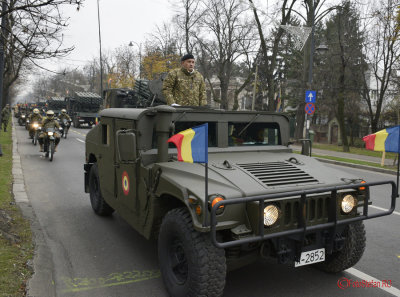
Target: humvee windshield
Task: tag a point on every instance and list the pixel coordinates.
(254, 134)
(212, 131)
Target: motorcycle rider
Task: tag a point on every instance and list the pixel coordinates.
(64, 116)
(34, 117)
(49, 122)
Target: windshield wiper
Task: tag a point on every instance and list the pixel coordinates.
(249, 123)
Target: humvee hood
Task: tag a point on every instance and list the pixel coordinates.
(254, 173)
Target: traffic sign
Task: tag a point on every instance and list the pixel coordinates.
(310, 108)
(311, 96)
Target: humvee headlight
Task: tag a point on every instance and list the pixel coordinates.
(348, 203)
(271, 215)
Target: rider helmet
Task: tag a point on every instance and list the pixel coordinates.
(50, 114)
(63, 111)
(36, 111)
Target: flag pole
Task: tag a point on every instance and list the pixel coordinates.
(398, 160)
(206, 197)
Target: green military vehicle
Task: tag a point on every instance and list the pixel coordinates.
(83, 107)
(56, 104)
(144, 94)
(262, 199)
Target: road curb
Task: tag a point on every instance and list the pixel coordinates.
(41, 284)
(358, 166)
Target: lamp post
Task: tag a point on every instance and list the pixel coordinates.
(101, 59)
(139, 45)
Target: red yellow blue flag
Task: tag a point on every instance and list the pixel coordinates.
(192, 144)
(386, 140)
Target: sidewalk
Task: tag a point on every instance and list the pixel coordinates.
(388, 162)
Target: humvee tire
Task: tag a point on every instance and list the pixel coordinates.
(97, 201)
(190, 264)
(351, 253)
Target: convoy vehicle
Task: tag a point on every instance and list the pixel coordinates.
(56, 104)
(83, 108)
(260, 199)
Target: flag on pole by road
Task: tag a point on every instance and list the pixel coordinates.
(386, 140)
(192, 144)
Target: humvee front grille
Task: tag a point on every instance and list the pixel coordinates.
(278, 173)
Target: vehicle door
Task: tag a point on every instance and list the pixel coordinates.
(125, 171)
(105, 158)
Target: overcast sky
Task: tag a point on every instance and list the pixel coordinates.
(121, 22)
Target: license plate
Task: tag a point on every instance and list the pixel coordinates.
(311, 257)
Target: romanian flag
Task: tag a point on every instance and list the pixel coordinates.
(192, 144)
(385, 140)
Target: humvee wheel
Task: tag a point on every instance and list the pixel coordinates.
(190, 264)
(351, 253)
(97, 201)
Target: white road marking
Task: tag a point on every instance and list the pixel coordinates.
(357, 273)
(380, 208)
(80, 140)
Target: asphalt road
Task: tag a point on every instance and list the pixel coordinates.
(93, 256)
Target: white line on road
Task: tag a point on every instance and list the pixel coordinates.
(357, 273)
(80, 140)
(380, 208)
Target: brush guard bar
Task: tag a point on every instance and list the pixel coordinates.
(332, 223)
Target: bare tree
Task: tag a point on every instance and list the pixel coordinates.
(382, 52)
(33, 31)
(225, 35)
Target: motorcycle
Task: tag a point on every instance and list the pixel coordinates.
(27, 124)
(21, 120)
(49, 142)
(65, 124)
(34, 132)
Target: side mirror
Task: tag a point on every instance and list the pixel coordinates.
(126, 146)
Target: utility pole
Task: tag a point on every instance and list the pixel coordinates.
(3, 31)
(310, 67)
(101, 58)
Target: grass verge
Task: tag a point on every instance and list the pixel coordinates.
(16, 247)
(353, 150)
(359, 162)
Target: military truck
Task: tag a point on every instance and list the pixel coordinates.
(262, 200)
(56, 104)
(83, 107)
(144, 94)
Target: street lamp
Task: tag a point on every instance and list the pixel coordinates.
(139, 45)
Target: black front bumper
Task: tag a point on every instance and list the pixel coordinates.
(331, 225)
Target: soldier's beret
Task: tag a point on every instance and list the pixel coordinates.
(187, 57)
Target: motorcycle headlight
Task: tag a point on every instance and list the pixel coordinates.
(35, 125)
(271, 215)
(50, 133)
(348, 203)
(23, 116)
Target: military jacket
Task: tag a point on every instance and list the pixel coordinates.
(184, 88)
(50, 123)
(5, 114)
(62, 116)
(35, 118)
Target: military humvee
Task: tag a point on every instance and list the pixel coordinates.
(263, 199)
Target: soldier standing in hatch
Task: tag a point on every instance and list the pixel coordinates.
(5, 116)
(185, 86)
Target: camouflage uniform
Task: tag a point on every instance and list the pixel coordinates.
(49, 123)
(5, 116)
(184, 88)
(64, 115)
